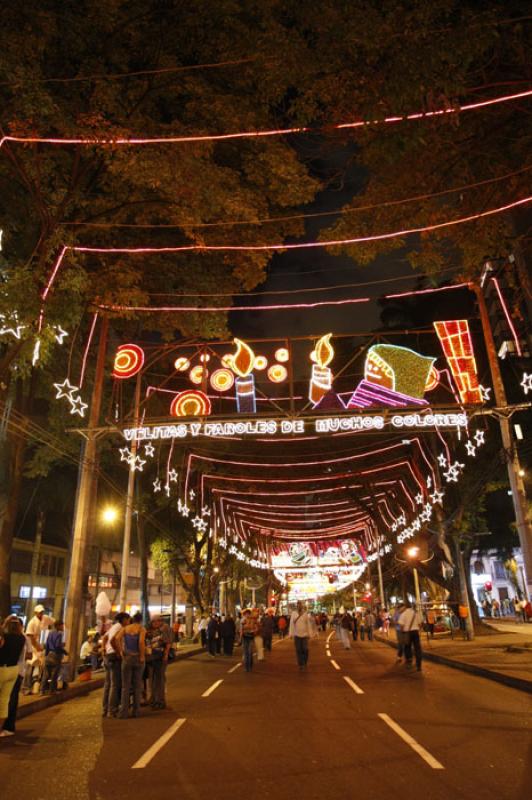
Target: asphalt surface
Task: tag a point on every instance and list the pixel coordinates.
(285, 734)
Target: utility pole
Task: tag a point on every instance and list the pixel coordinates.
(35, 560)
(524, 523)
(82, 514)
(464, 594)
(130, 498)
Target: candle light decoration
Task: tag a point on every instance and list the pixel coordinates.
(190, 403)
(455, 339)
(242, 364)
(321, 380)
(129, 360)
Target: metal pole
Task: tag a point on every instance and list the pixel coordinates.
(35, 561)
(416, 584)
(522, 514)
(174, 595)
(381, 584)
(129, 506)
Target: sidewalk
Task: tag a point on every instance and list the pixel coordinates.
(30, 704)
(502, 657)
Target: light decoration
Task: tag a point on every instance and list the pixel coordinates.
(471, 449)
(157, 485)
(282, 354)
(242, 365)
(36, 352)
(526, 383)
(190, 403)
(442, 460)
(485, 392)
(9, 324)
(321, 378)
(242, 556)
(181, 364)
(508, 317)
(455, 339)
(199, 524)
(479, 438)
(205, 358)
(277, 373)
(394, 376)
(260, 363)
(183, 509)
(196, 374)
(149, 450)
(172, 476)
(451, 476)
(222, 380)
(129, 360)
(227, 360)
(77, 406)
(60, 333)
(65, 389)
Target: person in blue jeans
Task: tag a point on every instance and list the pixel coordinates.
(300, 631)
(250, 628)
(131, 642)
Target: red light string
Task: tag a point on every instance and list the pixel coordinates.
(261, 134)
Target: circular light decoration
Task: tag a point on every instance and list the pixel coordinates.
(314, 357)
(222, 380)
(204, 358)
(277, 373)
(432, 380)
(260, 363)
(191, 403)
(227, 360)
(181, 364)
(282, 354)
(129, 360)
(196, 374)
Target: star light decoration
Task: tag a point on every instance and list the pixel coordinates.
(485, 392)
(419, 499)
(205, 511)
(526, 383)
(68, 390)
(78, 406)
(135, 462)
(183, 509)
(157, 485)
(470, 447)
(479, 437)
(451, 476)
(60, 333)
(192, 494)
(200, 524)
(149, 450)
(11, 325)
(442, 461)
(437, 497)
(172, 476)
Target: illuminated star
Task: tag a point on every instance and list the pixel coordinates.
(526, 383)
(437, 497)
(172, 475)
(15, 330)
(451, 476)
(402, 520)
(205, 511)
(65, 389)
(60, 335)
(442, 460)
(185, 510)
(167, 489)
(394, 526)
(149, 450)
(479, 437)
(77, 405)
(416, 525)
(428, 482)
(137, 463)
(471, 449)
(192, 494)
(157, 485)
(125, 454)
(419, 499)
(485, 392)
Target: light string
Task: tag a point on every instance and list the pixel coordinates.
(261, 134)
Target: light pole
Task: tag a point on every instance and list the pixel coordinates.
(413, 553)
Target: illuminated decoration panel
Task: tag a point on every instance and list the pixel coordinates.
(190, 403)
(282, 355)
(181, 364)
(227, 360)
(260, 363)
(196, 374)
(129, 360)
(321, 378)
(337, 553)
(394, 376)
(455, 339)
(277, 373)
(222, 380)
(242, 364)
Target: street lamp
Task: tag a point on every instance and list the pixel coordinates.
(413, 554)
(109, 515)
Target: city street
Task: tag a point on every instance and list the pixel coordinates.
(354, 724)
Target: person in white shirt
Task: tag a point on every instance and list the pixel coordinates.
(8, 728)
(36, 629)
(300, 631)
(410, 622)
(112, 662)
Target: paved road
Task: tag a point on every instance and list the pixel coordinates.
(284, 734)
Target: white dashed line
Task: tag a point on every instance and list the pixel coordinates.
(158, 745)
(353, 685)
(211, 689)
(233, 669)
(420, 750)
(335, 665)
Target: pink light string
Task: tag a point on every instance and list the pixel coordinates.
(261, 134)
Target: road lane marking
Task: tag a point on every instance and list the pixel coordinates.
(211, 689)
(235, 667)
(353, 685)
(420, 750)
(335, 665)
(328, 652)
(329, 637)
(158, 745)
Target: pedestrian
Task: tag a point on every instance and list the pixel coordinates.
(36, 629)
(259, 641)
(158, 643)
(131, 641)
(300, 631)
(228, 632)
(345, 630)
(202, 628)
(267, 630)
(282, 625)
(14, 649)
(218, 634)
(112, 662)
(399, 633)
(249, 629)
(411, 621)
(54, 650)
(238, 629)
(212, 632)
(431, 621)
(369, 624)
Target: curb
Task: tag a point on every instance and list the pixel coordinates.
(482, 672)
(79, 690)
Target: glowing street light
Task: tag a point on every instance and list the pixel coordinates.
(413, 553)
(109, 515)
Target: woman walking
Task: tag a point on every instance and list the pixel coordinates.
(12, 647)
(131, 642)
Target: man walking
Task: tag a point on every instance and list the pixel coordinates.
(300, 631)
(410, 622)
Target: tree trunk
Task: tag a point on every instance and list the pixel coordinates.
(143, 558)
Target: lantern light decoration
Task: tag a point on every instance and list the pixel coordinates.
(196, 374)
(260, 363)
(455, 339)
(242, 364)
(181, 364)
(394, 376)
(190, 403)
(282, 354)
(321, 380)
(277, 373)
(129, 360)
(222, 380)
